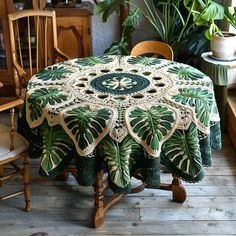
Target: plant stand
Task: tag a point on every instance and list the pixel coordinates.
(222, 74)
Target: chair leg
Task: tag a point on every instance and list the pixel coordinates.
(98, 217)
(1, 175)
(26, 183)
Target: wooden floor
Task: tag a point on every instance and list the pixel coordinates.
(64, 208)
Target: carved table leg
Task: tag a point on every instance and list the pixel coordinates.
(63, 176)
(98, 217)
(178, 191)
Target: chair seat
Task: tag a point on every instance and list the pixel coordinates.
(20, 144)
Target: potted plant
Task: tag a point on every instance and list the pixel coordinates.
(223, 46)
(222, 43)
(170, 24)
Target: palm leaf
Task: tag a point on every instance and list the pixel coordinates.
(56, 146)
(92, 61)
(200, 99)
(117, 156)
(41, 97)
(186, 73)
(52, 73)
(86, 127)
(147, 61)
(149, 127)
(182, 151)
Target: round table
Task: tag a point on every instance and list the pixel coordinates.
(129, 113)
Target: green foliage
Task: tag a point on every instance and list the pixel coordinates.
(230, 15)
(107, 7)
(121, 47)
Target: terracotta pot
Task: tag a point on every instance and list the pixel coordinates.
(224, 48)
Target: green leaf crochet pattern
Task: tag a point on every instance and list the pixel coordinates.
(53, 73)
(186, 73)
(182, 151)
(147, 61)
(56, 145)
(118, 160)
(41, 97)
(92, 61)
(150, 126)
(85, 126)
(198, 98)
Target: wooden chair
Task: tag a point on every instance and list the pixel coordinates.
(154, 48)
(13, 147)
(33, 39)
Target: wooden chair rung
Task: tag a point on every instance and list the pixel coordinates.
(11, 195)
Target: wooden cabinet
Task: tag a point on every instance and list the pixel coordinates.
(74, 38)
(74, 31)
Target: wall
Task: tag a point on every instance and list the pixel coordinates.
(103, 34)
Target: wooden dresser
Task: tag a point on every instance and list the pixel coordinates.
(74, 30)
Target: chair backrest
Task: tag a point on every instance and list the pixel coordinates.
(155, 48)
(33, 39)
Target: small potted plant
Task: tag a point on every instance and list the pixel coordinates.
(222, 43)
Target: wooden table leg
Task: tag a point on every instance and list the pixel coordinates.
(63, 176)
(178, 191)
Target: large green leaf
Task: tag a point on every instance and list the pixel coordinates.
(186, 72)
(230, 15)
(106, 8)
(203, 11)
(52, 73)
(117, 156)
(56, 146)
(91, 61)
(200, 99)
(41, 97)
(149, 127)
(182, 151)
(86, 126)
(147, 61)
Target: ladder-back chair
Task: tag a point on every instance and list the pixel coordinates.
(153, 48)
(33, 39)
(13, 147)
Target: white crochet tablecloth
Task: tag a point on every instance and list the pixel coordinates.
(117, 107)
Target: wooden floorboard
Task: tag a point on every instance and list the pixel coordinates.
(62, 208)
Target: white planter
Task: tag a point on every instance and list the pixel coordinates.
(224, 48)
